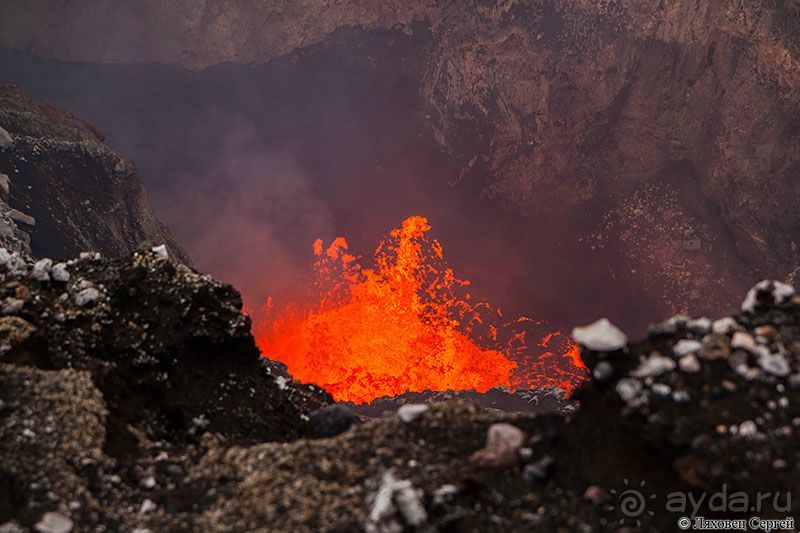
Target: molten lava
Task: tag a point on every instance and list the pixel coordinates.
(406, 324)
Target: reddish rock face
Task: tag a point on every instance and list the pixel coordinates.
(663, 133)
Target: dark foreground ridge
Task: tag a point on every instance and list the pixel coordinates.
(132, 398)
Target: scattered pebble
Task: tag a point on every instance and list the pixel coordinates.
(774, 364)
(148, 506)
(539, 471)
(12, 306)
(724, 326)
(54, 523)
(700, 326)
(767, 332)
(686, 346)
(655, 365)
(331, 420)
(395, 495)
(525, 454)
(669, 326)
(503, 442)
(603, 371)
(681, 396)
(161, 251)
(747, 429)
(689, 364)
(87, 296)
(6, 139)
(600, 336)
(661, 389)
(715, 347)
(59, 273)
(411, 411)
(770, 291)
(743, 341)
(444, 494)
(41, 270)
(596, 495)
(628, 389)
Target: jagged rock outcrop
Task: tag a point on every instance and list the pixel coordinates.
(13, 223)
(673, 123)
(68, 192)
(110, 372)
(195, 34)
(137, 400)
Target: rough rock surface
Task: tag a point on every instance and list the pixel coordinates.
(666, 119)
(146, 407)
(108, 382)
(69, 192)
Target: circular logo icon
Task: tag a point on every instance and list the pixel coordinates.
(632, 502)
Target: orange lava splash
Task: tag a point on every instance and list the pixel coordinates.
(406, 324)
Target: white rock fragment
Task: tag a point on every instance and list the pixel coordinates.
(12, 306)
(669, 326)
(6, 139)
(59, 273)
(680, 396)
(86, 296)
(444, 494)
(54, 523)
(83, 284)
(655, 365)
(41, 270)
(603, 371)
(724, 326)
(600, 336)
(701, 326)
(411, 411)
(281, 381)
(661, 389)
(161, 251)
(689, 364)
(628, 389)
(148, 506)
(774, 364)
(408, 501)
(779, 292)
(747, 429)
(395, 495)
(743, 341)
(503, 442)
(686, 346)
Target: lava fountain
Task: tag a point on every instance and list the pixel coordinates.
(406, 324)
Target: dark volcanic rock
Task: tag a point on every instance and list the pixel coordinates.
(331, 420)
(109, 382)
(81, 195)
(142, 407)
(169, 348)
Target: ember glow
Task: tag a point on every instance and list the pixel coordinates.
(406, 324)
